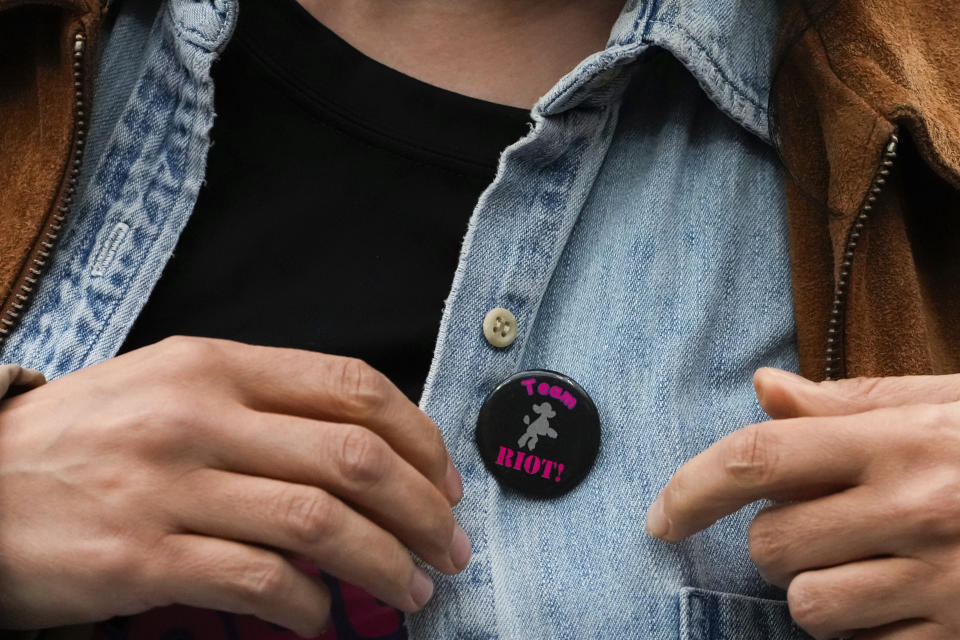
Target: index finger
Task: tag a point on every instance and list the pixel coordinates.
(786, 395)
(332, 388)
(780, 459)
(348, 390)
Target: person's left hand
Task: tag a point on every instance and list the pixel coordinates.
(868, 544)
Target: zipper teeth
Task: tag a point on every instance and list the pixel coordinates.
(835, 360)
(38, 260)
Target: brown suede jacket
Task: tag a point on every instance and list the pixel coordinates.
(865, 107)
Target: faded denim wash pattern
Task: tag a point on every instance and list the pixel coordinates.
(638, 235)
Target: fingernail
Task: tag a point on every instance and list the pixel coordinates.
(658, 524)
(460, 548)
(421, 588)
(454, 483)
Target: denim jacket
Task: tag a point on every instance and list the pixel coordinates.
(638, 235)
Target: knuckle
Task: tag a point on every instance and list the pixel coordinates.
(808, 604)
(309, 517)
(437, 455)
(127, 564)
(116, 559)
(265, 579)
(161, 423)
(363, 457)
(933, 506)
(168, 408)
(140, 426)
(940, 421)
(439, 525)
(189, 352)
(397, 568)
(362, 388)
(766, 543)
(751, 457)
(928, 432)
(922, 432)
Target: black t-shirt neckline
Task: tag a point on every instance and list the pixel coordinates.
(370, 97)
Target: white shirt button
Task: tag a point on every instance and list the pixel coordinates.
(500, 327)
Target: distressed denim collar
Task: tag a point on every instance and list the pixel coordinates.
(727, 45)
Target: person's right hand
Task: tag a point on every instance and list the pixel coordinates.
(194, 470)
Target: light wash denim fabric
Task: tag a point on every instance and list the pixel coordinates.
(638, 235)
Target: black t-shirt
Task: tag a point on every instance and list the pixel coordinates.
(337, 194)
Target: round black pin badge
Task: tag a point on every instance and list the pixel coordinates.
(539, 433)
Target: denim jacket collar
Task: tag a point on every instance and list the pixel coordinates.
(727, 45)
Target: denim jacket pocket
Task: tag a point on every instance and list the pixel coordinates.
(715, 615)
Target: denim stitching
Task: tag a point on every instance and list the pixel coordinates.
(125, 289)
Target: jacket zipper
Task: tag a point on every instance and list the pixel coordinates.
(836, 362)
(39, 255)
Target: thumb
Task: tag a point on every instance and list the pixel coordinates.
(786, 395)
